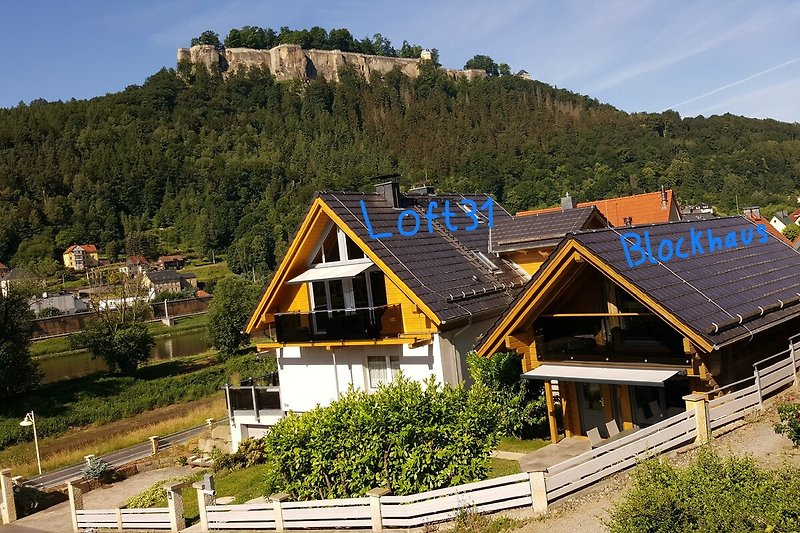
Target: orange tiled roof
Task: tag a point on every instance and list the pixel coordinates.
(91, 248)
(137, 260)
(794, 215)
(641, 208)
(770, 228)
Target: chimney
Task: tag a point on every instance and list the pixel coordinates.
(390, 192)
(568, 202)
(663, 198)
(752, 212)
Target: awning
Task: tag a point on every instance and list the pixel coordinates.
(323, 272)
(597, 374)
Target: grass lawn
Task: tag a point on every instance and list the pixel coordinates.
(511, 444)
(209, 274)
(503, 467)
(245, 484)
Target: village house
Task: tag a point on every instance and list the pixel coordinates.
(170, 262)
(3, 270)
(136, 265)
(781, 220)
(64, 304)
(647, 208)
(81, 256)
(169, 281)
(345, 309)
(620, 344)
(753, 214)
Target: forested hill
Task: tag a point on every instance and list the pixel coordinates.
(231, 165)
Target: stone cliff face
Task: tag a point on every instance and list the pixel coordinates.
(289, 61)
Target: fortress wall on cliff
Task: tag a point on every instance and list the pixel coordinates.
(289, 61)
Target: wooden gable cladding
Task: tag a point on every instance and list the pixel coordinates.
(419, 323)
(556, 277)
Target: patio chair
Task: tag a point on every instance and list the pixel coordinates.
(612, 428)
(655, 408)
(594, 437)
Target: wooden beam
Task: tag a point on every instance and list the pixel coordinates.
(551, 411)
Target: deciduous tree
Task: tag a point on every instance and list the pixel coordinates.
(233, 302)
(19, 373)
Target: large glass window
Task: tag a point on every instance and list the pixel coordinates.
(378, 286)
(360, 291)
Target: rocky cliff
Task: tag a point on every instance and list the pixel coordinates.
(289, 61)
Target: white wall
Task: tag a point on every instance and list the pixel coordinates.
(308, 376)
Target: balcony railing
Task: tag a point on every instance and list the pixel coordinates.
(255, 397)
(340, 324)
(589, 337)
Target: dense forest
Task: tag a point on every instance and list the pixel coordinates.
(229, 165)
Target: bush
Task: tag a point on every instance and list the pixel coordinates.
(524, 412)
(154, 495)
(789, 425)
(96, 469)
(408, 436)
(711, 494)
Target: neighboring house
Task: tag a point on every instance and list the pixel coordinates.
(528, 240)
(795, 215)
(647, 208)
(347, 310)
(135, 266)
(697, 212)
(3, 270)
(7, 279)
(754, 215)
(67, 304)
(81, 256)
(524, 74)
(170, 262)
(626, 343)
(781, 220)
(169, 281)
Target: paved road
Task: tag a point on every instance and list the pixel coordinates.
(118, 458)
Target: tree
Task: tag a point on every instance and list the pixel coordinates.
(482, 62)
(504, 69)
(233, 302)
(208, 37)
(791, 231)
(118, 334)
(19, 373)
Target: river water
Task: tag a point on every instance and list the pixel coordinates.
(73, 365)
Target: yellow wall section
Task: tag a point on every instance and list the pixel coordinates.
(529, 261)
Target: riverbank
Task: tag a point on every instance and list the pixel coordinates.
(58, 346)
(103, 398)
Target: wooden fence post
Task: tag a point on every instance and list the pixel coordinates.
(119, 520)
(375, 506)
(538, 484)
(698, 403)
(75, 504)
(794, 362)
(177, 521)
(205, 497)
(277, 509)
(9, 508)
(758, 387)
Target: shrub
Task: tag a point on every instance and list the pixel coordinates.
(711, 494)
(96, 469)
(408, 436)
(789, 413)
(524, 412)
(154, 495)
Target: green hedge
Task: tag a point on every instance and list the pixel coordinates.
(101, 399)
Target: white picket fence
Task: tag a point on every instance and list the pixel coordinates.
(534, 489)
(157, 518)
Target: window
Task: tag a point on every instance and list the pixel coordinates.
(335, 247)
(378, 285)
(382, 369)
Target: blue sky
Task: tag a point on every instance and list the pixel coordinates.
(698, 57)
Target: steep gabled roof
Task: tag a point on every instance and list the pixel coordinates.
(715, 298)
(137, 260)
(90, 248)
(442, 267)
(542, 230)
(647, 208)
